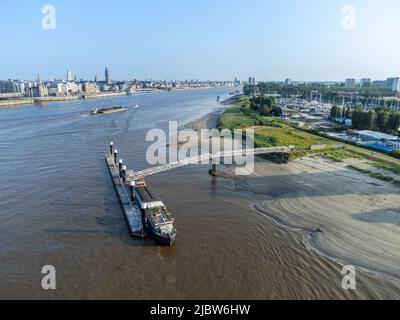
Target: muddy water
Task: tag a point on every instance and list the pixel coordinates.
(58, 207)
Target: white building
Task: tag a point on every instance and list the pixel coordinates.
(69, 76)
(68, 88)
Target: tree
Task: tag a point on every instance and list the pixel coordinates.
(382, 118)
(265, 110)
(348, 113)
(371, 120)
(333, 112)
(394, 121)
(276, 111)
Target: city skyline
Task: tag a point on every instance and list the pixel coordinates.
(180, 40)
(70, 76)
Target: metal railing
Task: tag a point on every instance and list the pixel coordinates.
(210, 157)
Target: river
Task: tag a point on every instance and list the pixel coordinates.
(58, 207)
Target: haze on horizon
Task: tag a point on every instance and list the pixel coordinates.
(210, 39)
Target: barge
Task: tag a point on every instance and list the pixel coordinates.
(95, 111)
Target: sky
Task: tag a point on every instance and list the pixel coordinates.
(304, 40)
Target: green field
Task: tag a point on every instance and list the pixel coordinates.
(270, 131)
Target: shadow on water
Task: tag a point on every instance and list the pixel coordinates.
(390, 216)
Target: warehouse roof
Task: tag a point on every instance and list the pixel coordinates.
(376, 135)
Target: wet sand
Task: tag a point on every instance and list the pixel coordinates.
(210, 121)
(345, 215)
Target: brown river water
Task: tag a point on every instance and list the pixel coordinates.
(58, 207)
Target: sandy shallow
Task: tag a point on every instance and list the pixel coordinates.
(209, 121)
(345, 215)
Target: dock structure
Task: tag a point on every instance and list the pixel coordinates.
(132, 212)
(125, 180)
(214, 159)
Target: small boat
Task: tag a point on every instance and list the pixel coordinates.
(95, 111)
(136, 106)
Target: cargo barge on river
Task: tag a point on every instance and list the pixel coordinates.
(96, 111)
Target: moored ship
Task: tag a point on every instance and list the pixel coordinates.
(157, 217)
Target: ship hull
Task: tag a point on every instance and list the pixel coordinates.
(165, 241)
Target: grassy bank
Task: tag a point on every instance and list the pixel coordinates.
(270, 131)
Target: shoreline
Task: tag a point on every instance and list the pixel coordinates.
(211, 119)
(343, 215)
(15, 103)
(12, 103)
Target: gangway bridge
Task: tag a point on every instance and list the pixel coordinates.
(125, 180)
(208, 158)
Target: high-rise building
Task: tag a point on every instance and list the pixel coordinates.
(396, 84)
(107, 76)
(350, 82)
(393, 84)
(365, 82)
(379, 84)
(96, 78)
(69, 76)
(288, 82)
(9, 86)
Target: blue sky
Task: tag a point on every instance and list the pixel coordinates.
(201, 39)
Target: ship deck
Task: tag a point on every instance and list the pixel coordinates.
(144, 194)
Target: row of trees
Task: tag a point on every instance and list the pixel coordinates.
(266, 106)
(382, 119)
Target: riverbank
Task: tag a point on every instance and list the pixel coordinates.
(13, 103)
(104, 95)
(343, 201)
(209, 121)
(343, 214)
(40, 100)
